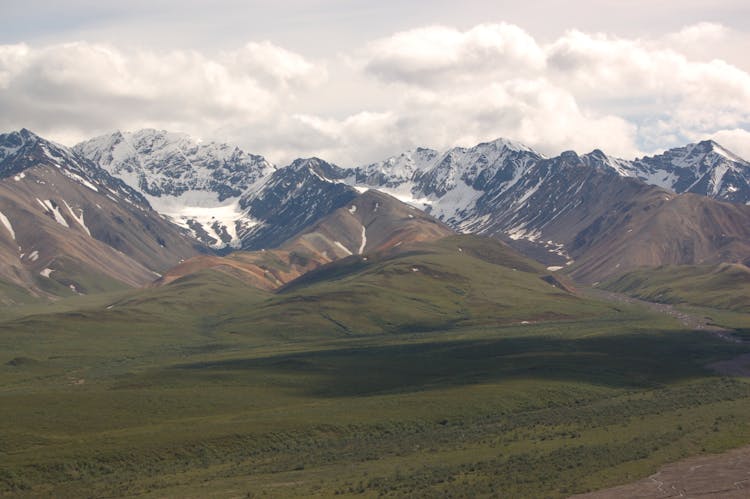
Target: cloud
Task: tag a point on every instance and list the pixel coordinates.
(97, 87)
(434, 86)
(622, 95)
(601, 68)
(273, 65)
(532, 111)
(438, 55)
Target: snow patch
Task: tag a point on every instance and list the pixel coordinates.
(19, 177)
(520, 232)
(7, 225)
(79, 179)
(34, 256)
(353, 209)
(55, 210)
(46, 272)
(554, 268)
(204, 208)
(364, 240)
(77, 218)
(346, 250)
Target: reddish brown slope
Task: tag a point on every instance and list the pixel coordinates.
(372, 222)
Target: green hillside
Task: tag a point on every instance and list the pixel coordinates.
(459, 281)
(725, 286)
(471, 376)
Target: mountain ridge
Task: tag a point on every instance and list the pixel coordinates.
(447, 184)
(71, 228)
(561, 210)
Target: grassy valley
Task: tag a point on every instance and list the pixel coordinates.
(469, 376)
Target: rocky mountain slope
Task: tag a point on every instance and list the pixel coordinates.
(70, 227)
(371, 222)
(586, 212)
(704, 168)
(289, 200)
(560, 210)
(197, 185)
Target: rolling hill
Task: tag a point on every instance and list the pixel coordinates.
(725, 286)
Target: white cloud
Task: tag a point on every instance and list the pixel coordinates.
(578, 91)
(435, 86)
(438, 55)
(96, 87)
(601, 68)
(274, 65)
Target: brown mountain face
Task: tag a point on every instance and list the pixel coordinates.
(372, 222)
(69, 228)
(659, 228)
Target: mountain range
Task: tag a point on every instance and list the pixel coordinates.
(125, 207)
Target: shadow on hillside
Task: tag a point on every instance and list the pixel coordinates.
(626, 361)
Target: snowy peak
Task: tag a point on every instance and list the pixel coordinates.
(437, 173)
(22, 150)
(721, 151)
(704, 168)
(161, 163)
(477, 165)
(448, 184)
(195, 184)
(290, 199)
(598, 159)
(396, 170)
(69, 227)
(327, 172)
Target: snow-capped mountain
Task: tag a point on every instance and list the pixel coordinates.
(22, 149)
(490, 187)
(225, 196)
(448, 184)
(289, 200)
(197, 185)
(551, 208)
(68, 226)
(566, 210)
(704, 168)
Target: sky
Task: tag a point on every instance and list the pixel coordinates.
(355, 81)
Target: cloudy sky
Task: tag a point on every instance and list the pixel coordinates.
(354, 81)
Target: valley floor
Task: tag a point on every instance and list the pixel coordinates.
(114, 405)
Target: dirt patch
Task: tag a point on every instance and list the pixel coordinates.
(724, 475)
